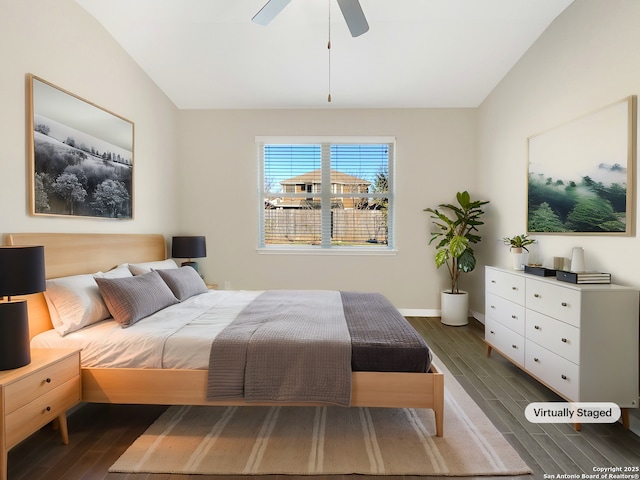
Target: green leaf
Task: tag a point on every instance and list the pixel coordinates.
(467, 262)
(458, 245)
(442, 256)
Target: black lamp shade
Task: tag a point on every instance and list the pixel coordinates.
(21, 273)
(21, 270)
(189, 247)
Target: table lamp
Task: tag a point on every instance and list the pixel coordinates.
(21, 273)
(189, 247)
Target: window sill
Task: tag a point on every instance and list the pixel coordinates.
(355, 251)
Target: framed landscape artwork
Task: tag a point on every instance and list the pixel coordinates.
(81, 155)
(581, 174)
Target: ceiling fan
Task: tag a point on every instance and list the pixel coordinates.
(351, 11)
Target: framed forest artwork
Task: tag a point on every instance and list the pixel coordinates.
(581, 174)
(81, 155)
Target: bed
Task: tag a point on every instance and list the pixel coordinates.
(73, 254)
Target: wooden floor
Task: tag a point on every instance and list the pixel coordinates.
(99, 434)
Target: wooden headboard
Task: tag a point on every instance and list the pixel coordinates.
(75, 253)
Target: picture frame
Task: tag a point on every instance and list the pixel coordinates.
(80, 155)
(581, 174)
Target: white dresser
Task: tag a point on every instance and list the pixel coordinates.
(579, 340)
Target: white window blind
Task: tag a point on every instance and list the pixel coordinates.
(326, 193)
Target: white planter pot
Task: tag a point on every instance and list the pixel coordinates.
(454, 308)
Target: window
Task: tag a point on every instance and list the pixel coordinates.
(326, 193)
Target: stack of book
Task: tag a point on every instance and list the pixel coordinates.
(583, 277)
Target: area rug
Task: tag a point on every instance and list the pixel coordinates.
(324, 441)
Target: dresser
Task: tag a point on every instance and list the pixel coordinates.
(34, 395)
(579, 340)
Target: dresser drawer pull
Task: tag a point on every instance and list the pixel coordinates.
(537, 327)
(564, 340)
(515, 317)
(48, 409)
(48, 380)
(514, 288)
(564, 377)
(492, 332)
(514, 346)
(536, 359)
(536, 295)
(493, 306)
(564, 304)
(493, 281)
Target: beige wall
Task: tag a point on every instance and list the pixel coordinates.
(435, 159)
(588, 58)
(59, 42)
(188, 164)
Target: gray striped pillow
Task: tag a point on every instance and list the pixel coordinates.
(130, 299)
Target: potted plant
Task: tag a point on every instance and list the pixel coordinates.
(456, 232)
(517, 247)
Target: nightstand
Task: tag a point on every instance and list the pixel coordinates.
(34, 395)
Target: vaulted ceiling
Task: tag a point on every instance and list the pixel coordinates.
(417, 53)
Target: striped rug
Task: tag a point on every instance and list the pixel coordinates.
(324, 441)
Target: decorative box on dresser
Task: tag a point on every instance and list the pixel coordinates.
(580, 340)
(34, 395)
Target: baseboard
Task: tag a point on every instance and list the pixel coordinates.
(425, 312)
(419, 312)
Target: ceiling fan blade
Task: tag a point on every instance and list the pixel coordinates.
(270, 10)
(354, 16)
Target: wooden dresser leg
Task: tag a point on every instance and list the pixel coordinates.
(64, 432)
(489, 350)
(577, 426)
(624, 415)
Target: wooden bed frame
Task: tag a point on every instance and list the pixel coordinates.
(72, 254)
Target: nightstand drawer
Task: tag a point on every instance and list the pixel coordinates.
(25, 420)
(40, 383)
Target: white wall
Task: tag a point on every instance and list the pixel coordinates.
(587, 59)
(59, 42)
(218, 196)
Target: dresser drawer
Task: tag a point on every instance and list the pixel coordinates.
(40, 382)
(507, 341)
(554, 300)
(557, 372)
(41, 410)
(508, 313)
(505, 285)
(559, 337)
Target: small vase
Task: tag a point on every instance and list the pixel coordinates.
(577, 259)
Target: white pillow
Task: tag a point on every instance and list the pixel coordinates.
(140, 268)
(120, 271)
(74, 302)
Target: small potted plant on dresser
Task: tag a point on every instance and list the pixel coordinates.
(456, 233)
(518, 247)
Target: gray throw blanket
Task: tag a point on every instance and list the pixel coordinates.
(285, 346)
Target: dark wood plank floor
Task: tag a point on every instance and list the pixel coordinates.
(99, 434)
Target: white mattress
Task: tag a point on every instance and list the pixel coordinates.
(179, 336)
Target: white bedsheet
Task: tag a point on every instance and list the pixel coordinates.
(178, 336)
